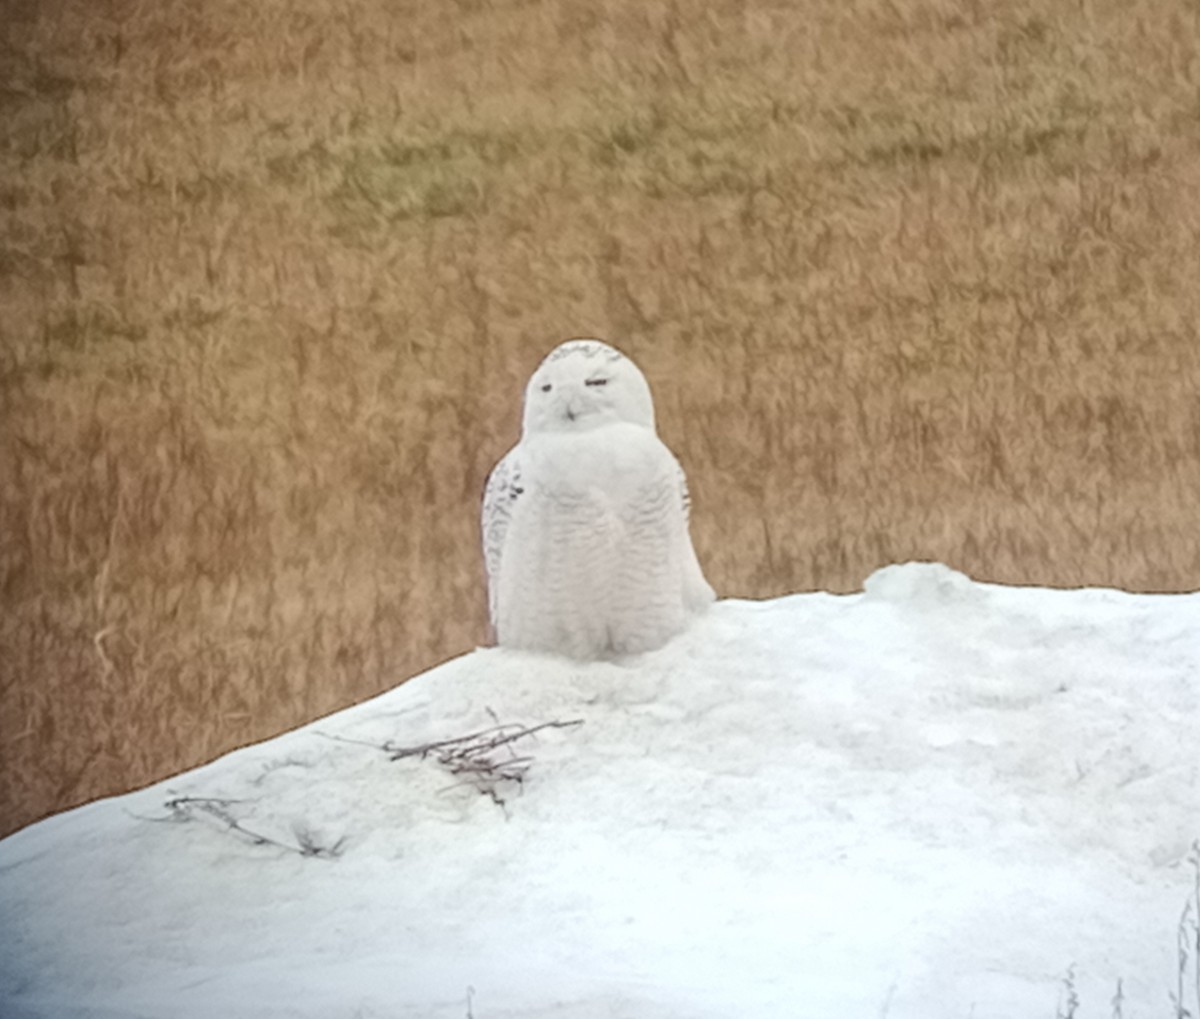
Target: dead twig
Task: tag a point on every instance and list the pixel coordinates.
(484, 759)
(1189, 939)
(185, 808)
(1182, 956)
(1069, 1008)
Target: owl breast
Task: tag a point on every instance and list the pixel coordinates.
(594, 558)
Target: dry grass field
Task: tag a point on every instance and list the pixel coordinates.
(910, 279)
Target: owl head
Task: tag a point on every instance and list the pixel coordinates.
(585, 384)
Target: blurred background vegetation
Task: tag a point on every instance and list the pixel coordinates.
(914, 279)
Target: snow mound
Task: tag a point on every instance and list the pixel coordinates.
(922, 585)
(811, 806)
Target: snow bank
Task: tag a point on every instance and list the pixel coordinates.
(927, 800)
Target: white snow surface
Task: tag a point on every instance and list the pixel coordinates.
(927, 800)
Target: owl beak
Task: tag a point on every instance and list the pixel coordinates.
(574, 410)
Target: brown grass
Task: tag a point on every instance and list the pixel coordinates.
(910, 280)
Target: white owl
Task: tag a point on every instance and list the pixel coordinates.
(585, 520)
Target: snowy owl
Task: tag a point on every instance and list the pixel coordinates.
(585, 520)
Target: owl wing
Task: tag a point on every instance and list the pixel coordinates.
(684, 495)
(697, 591)
(500, 495)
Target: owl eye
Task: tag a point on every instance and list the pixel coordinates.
(546, 388)
(596, 382)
